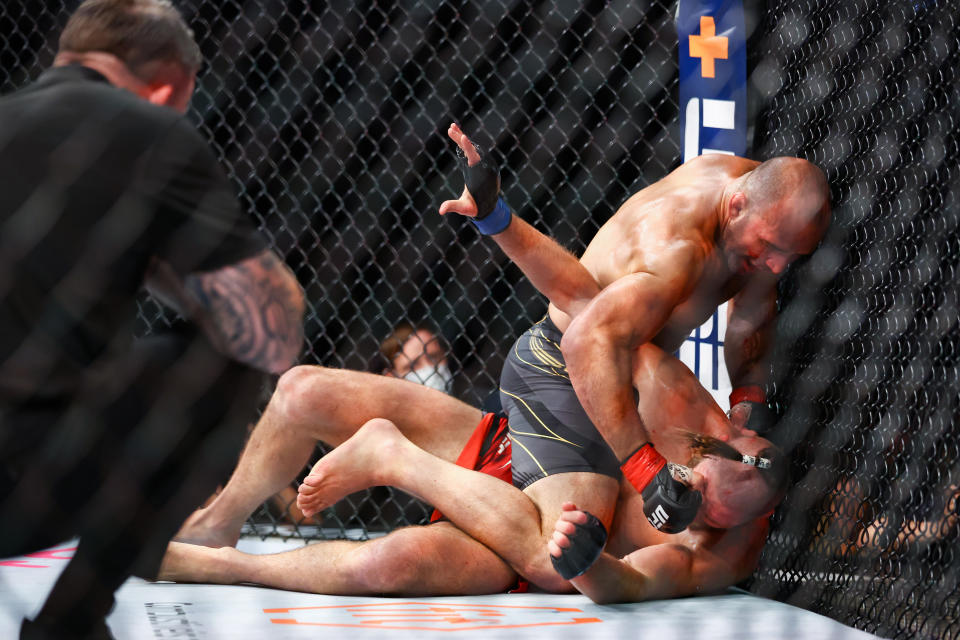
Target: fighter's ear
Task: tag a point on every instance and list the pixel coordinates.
(697, 481)
(738, 201)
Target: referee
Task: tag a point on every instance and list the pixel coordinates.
(105, 188)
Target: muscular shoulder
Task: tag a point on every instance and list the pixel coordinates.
(674, 248)
(715, 164)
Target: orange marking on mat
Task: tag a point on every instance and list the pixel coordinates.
(412, 616)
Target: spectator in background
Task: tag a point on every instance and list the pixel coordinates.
(411, 352)
(417, 354)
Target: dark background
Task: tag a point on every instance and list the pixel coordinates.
(331, 122)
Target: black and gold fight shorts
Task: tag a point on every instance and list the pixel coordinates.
(549, 429)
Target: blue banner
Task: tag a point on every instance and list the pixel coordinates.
(713, 77)
(713, 118)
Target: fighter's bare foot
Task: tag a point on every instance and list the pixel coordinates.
(358, 463)
(200, 530)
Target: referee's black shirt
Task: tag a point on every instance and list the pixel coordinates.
(93, 182)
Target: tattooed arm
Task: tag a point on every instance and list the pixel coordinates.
(252, 310)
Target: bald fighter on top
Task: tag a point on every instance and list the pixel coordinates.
(718, 228)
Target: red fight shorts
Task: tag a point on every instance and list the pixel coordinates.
(488, 451)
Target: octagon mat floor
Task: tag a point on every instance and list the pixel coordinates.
(146, 611)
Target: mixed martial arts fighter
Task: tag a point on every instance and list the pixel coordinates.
(719, 228)
(492, 528)
(105, 186)
(652, 368)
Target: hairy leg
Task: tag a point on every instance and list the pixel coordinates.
(513, 524)
(436, 559)
(314, 403)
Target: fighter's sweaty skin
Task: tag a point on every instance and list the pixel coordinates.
(681, 208)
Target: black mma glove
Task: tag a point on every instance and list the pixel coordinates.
(670, 504)
(483, 183)
(586, 545)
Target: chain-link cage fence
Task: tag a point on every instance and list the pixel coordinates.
(867, 373)
(331, 120)
(332, 123)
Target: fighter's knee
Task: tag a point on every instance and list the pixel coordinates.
(298, 391)
(391, 565)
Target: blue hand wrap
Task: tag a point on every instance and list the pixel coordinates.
(496, 221)
(586, 545)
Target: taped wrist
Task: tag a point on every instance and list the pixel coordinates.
(586, 545)
(498, 220)
(749, 393)
(642, 465)
(760, 418)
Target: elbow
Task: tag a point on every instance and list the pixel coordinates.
(572, 305)
(576, 341)
(572, 299)
(289, 339)
(583, 343)
(253, 311)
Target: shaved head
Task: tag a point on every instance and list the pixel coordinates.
(795, 187)
(735, 492)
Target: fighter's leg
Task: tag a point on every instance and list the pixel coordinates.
(437, 559)
(497, 514)
(314, 403)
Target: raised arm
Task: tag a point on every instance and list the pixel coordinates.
(554, 271)
(252, 311)
(751, 320)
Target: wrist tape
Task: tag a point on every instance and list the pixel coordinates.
(750, 393)
(496, 221)
(642, 466)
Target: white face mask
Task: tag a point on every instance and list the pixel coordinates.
(436, 377)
